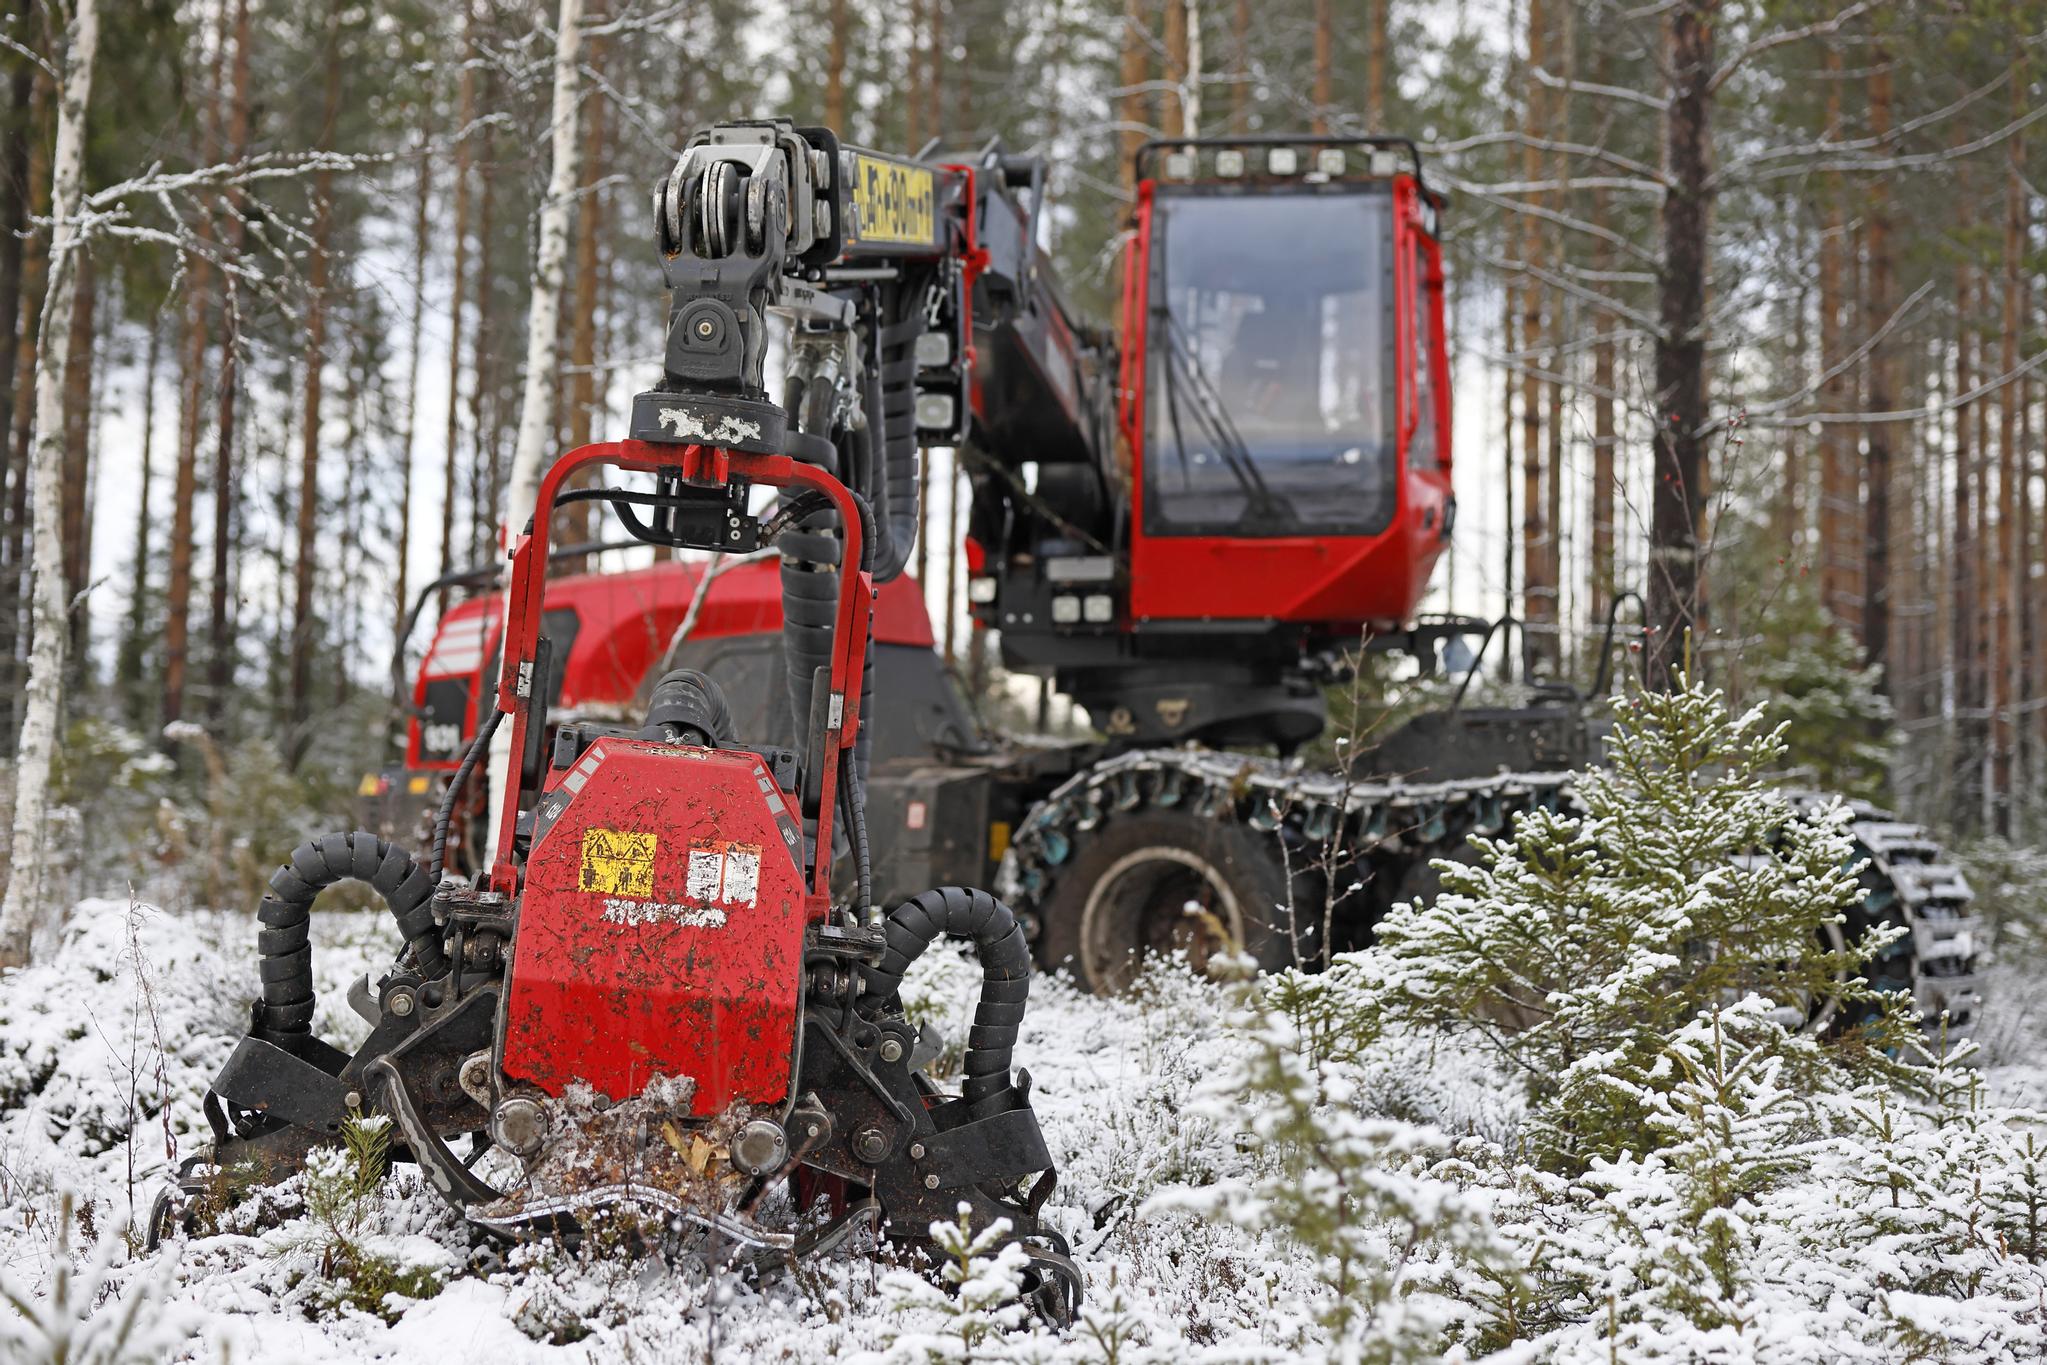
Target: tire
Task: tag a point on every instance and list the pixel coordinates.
(1123, 892)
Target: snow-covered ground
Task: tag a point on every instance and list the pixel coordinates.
(102, 1068)
(106, 1048)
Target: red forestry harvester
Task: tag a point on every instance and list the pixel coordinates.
(1190, 534)
(667, 978)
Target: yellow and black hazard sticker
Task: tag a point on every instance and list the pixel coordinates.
(893, 202)
(617, 863)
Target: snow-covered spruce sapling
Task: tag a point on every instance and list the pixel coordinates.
(1685, 881)
(86, 1319)
(978, 1297)
(1344, 1188)
(342, 1189)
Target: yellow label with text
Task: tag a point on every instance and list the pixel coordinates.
(617, 863)
(892, 202)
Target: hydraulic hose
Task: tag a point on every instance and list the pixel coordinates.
(446, 814)
(286, 914)
(1005, 958)
(890, 400)
(810, 604)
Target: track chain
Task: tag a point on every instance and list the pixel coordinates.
(1906, 873)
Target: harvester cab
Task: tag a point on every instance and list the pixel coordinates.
(652, 1005)
(1280, 488)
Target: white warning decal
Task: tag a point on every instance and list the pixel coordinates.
(724, 873)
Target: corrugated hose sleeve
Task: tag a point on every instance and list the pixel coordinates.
(961, 912)
(286, 913)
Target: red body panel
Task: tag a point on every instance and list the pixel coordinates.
(660, 931)
(624, 623)
(1334, 582)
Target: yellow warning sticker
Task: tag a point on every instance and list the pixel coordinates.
(892, 202)
(617, 862)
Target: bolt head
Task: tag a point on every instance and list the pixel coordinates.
(401, 1003)
(892, 1049)
(931, 1181)
(916, 1151)
(870, 1144)
(706, 327)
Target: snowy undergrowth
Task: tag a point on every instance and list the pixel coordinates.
(1569, 1114)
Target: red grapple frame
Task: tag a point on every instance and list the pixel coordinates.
(701, 465)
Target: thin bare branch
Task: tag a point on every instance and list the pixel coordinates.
(1785, 37)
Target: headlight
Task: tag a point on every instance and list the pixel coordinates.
(1098, 608)
(1065, 610)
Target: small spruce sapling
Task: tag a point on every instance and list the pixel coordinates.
(1683, 882)
(1343, 1187)
(978, 1299)
(342, 1185)
(87, 1318)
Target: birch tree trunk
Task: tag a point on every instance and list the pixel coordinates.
(28, 880)
(422, 227)
(543, 325)
(465, 115)
(543, 321)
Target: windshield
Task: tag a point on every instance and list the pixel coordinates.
(1269, 402)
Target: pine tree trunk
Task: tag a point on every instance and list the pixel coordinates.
(1876, 560)
(1173, 102)
(1840, 564)
(220, 629)
(1604, 439)
(318, 270)
(1509, 548)
(913, 104)
(1240, 62)
(1375, 67)
(835, 69)
(422, 226)
(17, 133)
(1676, 601)
(131, 669)
(936, 92)
(2006, 668)
(1962, 607)
(465, 116)
(78, 422)
(1539, 589)
(1134, 70)
(28, 887)
(1325, 64)
(185, 482)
